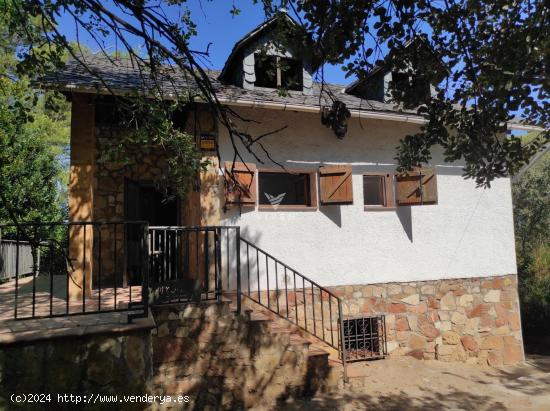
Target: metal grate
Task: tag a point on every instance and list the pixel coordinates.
(365, 338)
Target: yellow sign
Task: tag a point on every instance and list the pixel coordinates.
(208, 142)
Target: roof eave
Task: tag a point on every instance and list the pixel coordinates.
(355, 113)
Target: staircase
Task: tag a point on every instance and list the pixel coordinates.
(323, 362)
(276, 337)
(228, 361)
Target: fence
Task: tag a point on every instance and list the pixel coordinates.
(98, 267)
(192, 263)
(76, 268)
(8, 259)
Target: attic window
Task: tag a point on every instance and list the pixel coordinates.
(416, 88)
(275, 72)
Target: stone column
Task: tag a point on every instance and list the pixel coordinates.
(211, 203)
(82, 184)
(211, 194)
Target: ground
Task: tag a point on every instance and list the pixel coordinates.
(405, 383)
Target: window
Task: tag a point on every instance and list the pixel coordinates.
(285, 189)
(265, 69)
(373, 190)
(292, 74)
(274, 71)
(378, 191)
(412, 90)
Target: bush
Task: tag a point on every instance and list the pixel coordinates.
(534, 289)
(532, 228)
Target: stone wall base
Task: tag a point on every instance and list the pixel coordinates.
(473, 320)
(114, 364)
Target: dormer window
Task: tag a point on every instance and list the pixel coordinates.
(415, 89)
(278, 72)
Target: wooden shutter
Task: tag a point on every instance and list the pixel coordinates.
(335, 184)
(240, 183)
(389, 190)
(417, 187)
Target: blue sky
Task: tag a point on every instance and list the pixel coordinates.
(214, 25)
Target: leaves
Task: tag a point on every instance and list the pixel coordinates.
(532, 227)
(488, 59)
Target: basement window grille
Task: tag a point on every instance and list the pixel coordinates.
(365, 338)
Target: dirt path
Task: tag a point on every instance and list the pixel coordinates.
(412, 385)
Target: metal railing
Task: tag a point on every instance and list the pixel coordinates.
(193, 263)
(85, 268)
(291, 295)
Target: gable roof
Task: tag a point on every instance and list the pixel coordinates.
(419, 40)
(280, 17)
(120, 76)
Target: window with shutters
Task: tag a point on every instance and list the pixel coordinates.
(292, 189)
(378, 191)
(335, 184)
(416, 187)
(240, 184)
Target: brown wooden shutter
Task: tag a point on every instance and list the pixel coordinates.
(240, 183)
(335, 184)
(389, 190)
(417, 187)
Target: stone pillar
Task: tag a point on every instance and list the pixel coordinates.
(211, 195)
(82, 184)
(211, 203)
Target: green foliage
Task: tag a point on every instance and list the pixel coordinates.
(489, 60)
(531, 196)
(34, 129)
(147, 127)
(534, 291)
(28, 171)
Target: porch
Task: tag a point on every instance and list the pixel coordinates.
(101, 268)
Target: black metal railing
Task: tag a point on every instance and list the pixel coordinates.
(85, 268)
(193, 263)
(291, 295)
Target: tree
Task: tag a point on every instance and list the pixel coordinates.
(532, 226)
(497, 55)
(34, 131)
(495, 52)
(29, 172)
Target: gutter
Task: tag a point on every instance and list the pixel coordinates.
(407, 118)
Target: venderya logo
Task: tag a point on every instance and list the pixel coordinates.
(275, 201)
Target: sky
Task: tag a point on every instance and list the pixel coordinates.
(215, 25)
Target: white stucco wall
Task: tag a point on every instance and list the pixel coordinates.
(469, 233)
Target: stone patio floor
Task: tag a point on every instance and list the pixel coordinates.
(28, 328)
(403, 383)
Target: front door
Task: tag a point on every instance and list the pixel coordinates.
(144, 202)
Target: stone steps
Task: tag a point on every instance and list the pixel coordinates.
(324, 364)
(230, 361)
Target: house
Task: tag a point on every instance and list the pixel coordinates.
(425, 258)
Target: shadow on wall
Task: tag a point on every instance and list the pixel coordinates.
(225, 362)
(333, 213)
(405, 218)
(228, 268)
